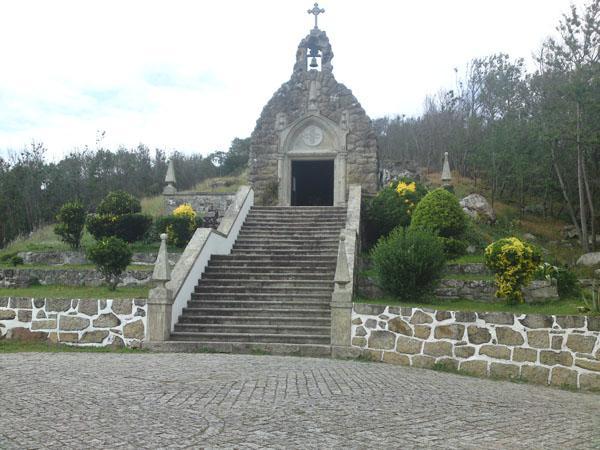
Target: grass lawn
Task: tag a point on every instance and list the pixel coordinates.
(560, 307)
(10, 346)
(55, 291)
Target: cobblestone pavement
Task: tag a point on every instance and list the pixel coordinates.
(95, 400)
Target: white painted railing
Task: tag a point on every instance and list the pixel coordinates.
(205, 243)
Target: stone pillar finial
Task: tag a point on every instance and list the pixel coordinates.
(446, 174)
(342, 273)
(160, 299)
(170, 179)
(162, 269)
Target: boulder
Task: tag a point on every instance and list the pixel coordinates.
(589, 259)
(478, 208)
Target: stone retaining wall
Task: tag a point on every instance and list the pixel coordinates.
(82, 322)
(70, 257)
(12, 278)
(211, 206)
(481, 290)
(558, 350)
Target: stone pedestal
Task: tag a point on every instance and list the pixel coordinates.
(159, 314)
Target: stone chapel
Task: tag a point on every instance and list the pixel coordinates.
(313, 138)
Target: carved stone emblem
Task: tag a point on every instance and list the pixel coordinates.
(312, 136)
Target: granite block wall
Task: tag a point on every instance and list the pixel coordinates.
(546, 349)
(82, 322)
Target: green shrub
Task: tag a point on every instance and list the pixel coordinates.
(408, 263)
(117, 203)
(71, 219)
(128, 227)
(391, 207)
(111, 257)
(119, 215)
(567, 284)
(514, 262)
(15, 261)
(177, 228)
(440, 213)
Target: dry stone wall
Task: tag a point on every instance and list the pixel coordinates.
(81, 322)
(545, 349)
(25, 277)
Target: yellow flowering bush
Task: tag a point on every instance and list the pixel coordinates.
(514, 263)
(185, 210)
(179, 226)
(392, 207)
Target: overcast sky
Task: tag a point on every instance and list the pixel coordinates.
(192, 75)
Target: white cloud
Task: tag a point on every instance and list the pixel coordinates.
(193, 75)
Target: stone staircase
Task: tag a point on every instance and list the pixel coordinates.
(274, 290)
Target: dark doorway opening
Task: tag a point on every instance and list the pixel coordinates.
(312, 183)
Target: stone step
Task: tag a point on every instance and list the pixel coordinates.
(292, 209)
(264, 285)
(288, 235)
(297, 321)
(268, 312)
(266, 290)
(286, 241)
(292, 227)
(278, 248)
(229, 273)
(260, 303)
(294, 224)
(276, 259)
(260, 296)
(249, 337)
(302, 330)
(302, 214)
(314, 350)
(271, 266)
(289, 254)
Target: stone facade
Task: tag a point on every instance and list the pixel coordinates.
(210, 205)
(312, 101)
(557, 350)
(82, 322)
(25, 277)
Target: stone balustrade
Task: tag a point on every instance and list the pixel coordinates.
(81, 322)
(546, 349)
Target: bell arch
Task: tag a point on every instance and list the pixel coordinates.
(312, 137)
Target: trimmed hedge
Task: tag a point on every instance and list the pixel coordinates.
(440, 213)
(409, 262)
(128, 227)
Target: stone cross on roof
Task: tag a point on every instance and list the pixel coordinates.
(316, 11)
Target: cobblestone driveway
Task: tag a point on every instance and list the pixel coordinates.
(91, 400)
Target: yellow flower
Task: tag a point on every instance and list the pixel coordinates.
(185, 210)
(404, 187)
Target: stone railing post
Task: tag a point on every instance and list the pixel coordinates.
(341, 299)
(160, 299)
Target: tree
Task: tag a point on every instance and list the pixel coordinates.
(111, 257)
(71, 219)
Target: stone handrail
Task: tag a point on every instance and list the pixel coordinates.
(204, 243)
(345, 273)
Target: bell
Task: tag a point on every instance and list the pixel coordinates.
(313, 62)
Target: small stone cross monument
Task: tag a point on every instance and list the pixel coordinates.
(316, 11)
